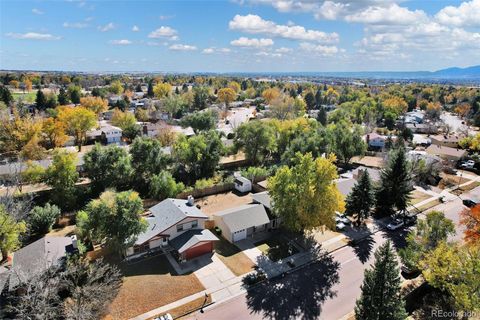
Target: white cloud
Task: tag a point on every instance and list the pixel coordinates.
(107, 27)
(319, 49)
(393, 14)
(283, 50)
(268, 54)
(215, 50)
(182, 47)
(122, 42)
(165, 17)
(254, 24)
(135, 29)
(37, 11)
(164, 32)
(467, 14)
(252, 42)
(75, 25)
(33, 36)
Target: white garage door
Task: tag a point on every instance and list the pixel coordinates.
(239, 235)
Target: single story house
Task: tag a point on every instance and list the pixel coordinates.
(427, 128)
(263, 198)
(36, 258)
(345, 186)
(240, 222)
(175, 224)
(372, 172)
(422, 140)
(154, 129)
(446, 153)
(446, 140)
(242, 184)
(414, 117)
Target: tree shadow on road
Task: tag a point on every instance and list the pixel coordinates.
(300, 294)
(363, 248)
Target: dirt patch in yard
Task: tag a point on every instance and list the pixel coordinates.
(149, 284)
(218, 202)
(232, 257)
(418, 196)
(62, 232)
(451, 180)
(367, 161)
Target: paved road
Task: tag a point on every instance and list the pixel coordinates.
(324, 290)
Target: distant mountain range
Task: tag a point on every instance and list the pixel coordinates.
(469, 73)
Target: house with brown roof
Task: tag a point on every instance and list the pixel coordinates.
(446, 153)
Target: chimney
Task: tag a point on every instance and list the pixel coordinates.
(190, 200)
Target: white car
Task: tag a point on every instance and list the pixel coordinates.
(339, 217)
(340, 226)
(395, 224)
(468, 164)
(166, 316)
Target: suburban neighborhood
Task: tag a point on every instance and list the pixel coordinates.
(289, 193)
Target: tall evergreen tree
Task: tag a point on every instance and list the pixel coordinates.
(318, 98)
(150, 93)
(393, 195)
(360, 201)
(322, 116)
(380, 298)
(62, 97)
(310, 100)
(40, 101)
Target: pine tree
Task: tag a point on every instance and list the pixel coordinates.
(62, 97)
(150, 93)
(362, 198)
(395, 186)
(380, 298)
(40, 100)
(322, 116)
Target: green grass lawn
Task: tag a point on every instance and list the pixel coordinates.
(27, 97)
(276, 247)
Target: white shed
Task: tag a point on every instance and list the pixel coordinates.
(242, 184)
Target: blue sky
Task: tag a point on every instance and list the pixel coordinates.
(240, 35)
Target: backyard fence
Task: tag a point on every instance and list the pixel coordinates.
(198, 193)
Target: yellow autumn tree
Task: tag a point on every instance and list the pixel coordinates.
(161, 90)
(77, 121)
(270, 94)
(226, 95)
(95, 104)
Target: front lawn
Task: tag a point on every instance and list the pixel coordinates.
(277, 247)
(149, 284)
(232, 257)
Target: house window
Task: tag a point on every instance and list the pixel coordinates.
(179, 227)
(194, 224)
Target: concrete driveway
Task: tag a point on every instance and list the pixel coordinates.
(214, 274)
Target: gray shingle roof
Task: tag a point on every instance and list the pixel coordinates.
(243, 217)
(345, 186)
(262, 198)
(36, 257)
(190, 238)
(166, 214)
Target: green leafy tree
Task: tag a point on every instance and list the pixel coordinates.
(41, 219)
(380, 298)
(62, 175)
(114, 219)
(108, 167)
(5, 95)
(313, 141)
(33, 173)
(163, 185)
(426, 237)
(362, 198)
(305, 195)
(253, 173)
(257, 140)
(147, 160)
(75, 93)
(200, 97)
(199, 155)
(345, 142)
(10, 232)
(201, 121)
(455, 269)
(395, 187)
(173, 104)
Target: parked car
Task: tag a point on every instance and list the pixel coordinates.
(395, 224)
(469, 203)
(341, 218)
(410, 220)
(467, 164)
(409, 273)
(166, 316)
(340, 226)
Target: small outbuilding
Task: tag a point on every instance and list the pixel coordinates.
(242, 184)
